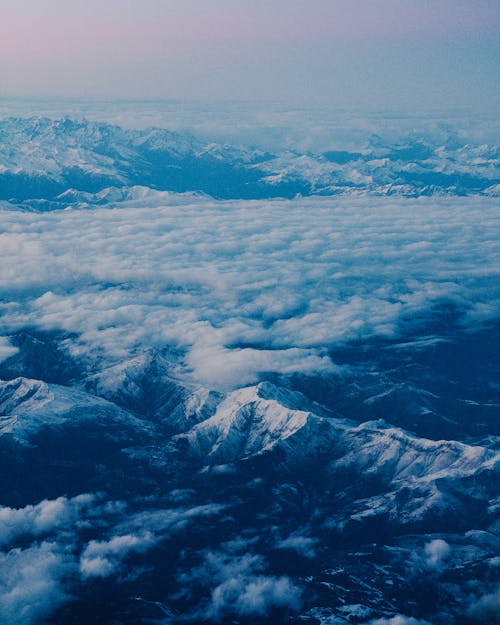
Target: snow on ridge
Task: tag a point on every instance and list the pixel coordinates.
(96, 154)
(245, 424)
(404, 456)
(31, 405)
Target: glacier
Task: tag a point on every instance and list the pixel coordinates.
(248, 374)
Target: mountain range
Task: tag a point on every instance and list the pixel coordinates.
(247, 387)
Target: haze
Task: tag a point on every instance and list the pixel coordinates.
(391, 53)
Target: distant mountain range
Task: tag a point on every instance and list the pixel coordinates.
(41, 158)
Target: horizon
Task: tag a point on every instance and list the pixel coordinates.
(394, 55)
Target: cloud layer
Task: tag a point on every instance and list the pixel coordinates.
(248, 287)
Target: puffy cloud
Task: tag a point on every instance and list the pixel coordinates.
(242, 288)
(239, 586)
(436, 553)
(399, 620)
(433, 557)
(6, 349)
(44, 517)
(102, 558)
(47, 569)
(486, 608)
(138, 533)
(304, 545)
(256, 596)
(31, 583)
(219, 367)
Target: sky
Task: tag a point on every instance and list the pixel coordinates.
(375, 53)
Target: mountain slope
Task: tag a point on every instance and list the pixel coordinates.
(42, 158)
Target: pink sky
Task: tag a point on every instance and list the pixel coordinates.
(123, 47)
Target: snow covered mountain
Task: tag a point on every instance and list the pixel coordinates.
(255, 420)
(243, 410)
(42, 158)
(28, 406)
(272, 458)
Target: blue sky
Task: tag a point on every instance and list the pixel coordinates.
(385, 53)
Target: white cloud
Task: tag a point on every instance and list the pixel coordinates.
(486, 608)
(399, 620)
(436, 553)
(103, 558)
(303, 545)
(6, 349)
(31, 583)
(432, 558)
(247, 287)
(97, 567)
(239, 587)
(138, 533)
(217, 366)
(42, 518)
(255, 596)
